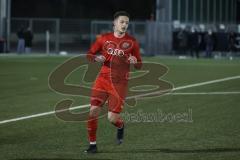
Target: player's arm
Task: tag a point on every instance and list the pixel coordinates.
(94, 49)
(135, 58)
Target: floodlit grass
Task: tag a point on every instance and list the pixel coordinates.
(210, 130)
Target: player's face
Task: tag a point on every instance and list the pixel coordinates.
(121, 24)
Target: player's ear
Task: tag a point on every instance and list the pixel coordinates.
(114, 22)
(113, 25)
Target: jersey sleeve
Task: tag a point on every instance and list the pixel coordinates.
(136, 53)
(94, 49)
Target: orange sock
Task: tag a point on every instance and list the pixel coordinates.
(92, 128)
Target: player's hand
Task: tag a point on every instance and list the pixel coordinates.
(132, 60)
(100, 58)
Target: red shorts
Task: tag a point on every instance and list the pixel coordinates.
(105, 90)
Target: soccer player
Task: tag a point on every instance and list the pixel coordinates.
(116, 51)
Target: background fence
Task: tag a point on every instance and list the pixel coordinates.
(65, 35)
(75, 36)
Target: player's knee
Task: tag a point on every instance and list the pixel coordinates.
(112, 117)
(94, 111)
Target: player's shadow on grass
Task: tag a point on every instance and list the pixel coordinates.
(167, 150)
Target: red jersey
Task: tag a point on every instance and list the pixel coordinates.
(116, 51)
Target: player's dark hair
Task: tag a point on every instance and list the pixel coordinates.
(121, 13)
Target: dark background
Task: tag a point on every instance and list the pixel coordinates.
(238, 11)
(82, 9)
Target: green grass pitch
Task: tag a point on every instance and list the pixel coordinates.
(211, 130)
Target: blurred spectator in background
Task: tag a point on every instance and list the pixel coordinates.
(209, 42)
(28, 37)
(232, 41)
(231, 44)
(195, 40)
(2, 45)
(194, 43)
(182, 38)
(21, 41)
(221, 41)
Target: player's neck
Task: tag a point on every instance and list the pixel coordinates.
(118, 34)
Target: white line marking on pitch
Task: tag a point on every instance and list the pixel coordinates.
(87, 105)
(42, 114)
(203, 93)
